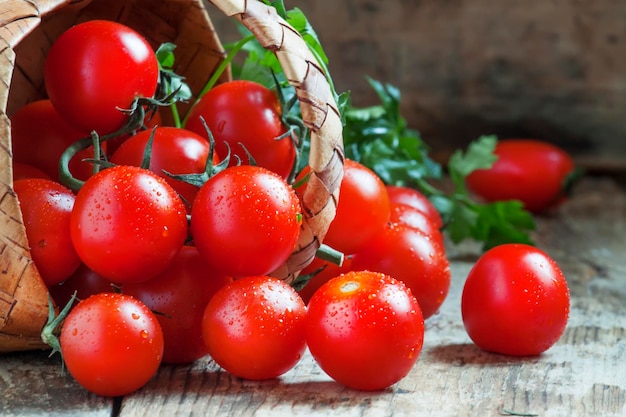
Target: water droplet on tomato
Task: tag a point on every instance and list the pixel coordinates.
(144, 334)
(135, 316)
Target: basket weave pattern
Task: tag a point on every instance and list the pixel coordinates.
(27, 30)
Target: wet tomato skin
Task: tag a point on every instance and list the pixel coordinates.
(365, 329)
(245, 221)
(112, 344)
(254, 327)
(127, 224)
(515, 301)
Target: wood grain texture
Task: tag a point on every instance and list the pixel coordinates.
(584, 374)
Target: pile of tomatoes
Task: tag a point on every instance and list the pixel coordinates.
(169, 235)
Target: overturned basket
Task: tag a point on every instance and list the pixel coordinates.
(27, 29)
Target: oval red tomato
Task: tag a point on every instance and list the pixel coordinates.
(46, 208)
(515, 301)
(531, 171)
(180, 294)
(365, 329)
(112, 344)
(254, 327)
(96, 68)
(246, 221)
(128, 224)
(245, 113)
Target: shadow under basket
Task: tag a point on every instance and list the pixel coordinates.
(27, 30)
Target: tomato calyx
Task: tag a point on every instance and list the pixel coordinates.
(51, 330)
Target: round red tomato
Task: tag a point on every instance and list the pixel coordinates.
(128, 224)
(515, 301)
(531, 171)
(362, 211)
(254, 327)
(39, 136)
(365, 329)
(414, 198)
(174, 151)
(180, 294)
(96, 68)
(245, 113)
(412, 257)
(246, 221)
(111, 344)
(46, 208)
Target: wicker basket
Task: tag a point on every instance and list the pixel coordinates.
(27, 29)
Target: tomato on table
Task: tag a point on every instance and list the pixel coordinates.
(254, 327)
(243, 113)
(46, 208)
(365, 329)
(531, 171)
(180, 294)
(128, 224)
(112, 344)
(515, 301)
(416, 259)
(246, 220)
(97, 68)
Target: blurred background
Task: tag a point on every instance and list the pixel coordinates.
(552, 69)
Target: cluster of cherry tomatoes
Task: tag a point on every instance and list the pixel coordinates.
(169, 270)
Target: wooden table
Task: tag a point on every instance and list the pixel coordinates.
(584, 374)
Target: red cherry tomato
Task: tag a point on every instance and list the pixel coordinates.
(46, 208)
(515, 301)
(254, 327)
(112, 344)
(365, 330)
(174, 150)
(362, 211)
(412, 257)
(531, 171)
(246, 221)
(245, 113)
(414, 198)
(39, 135)
(96, 68)
(180, 294)
(128, 224)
